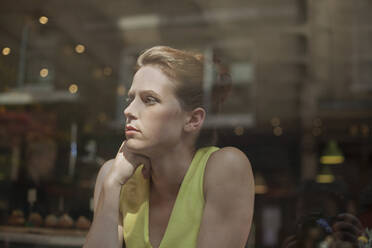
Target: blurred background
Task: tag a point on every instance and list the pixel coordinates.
(300, 106)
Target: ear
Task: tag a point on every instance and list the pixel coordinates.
(195, 120)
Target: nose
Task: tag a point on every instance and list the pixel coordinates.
(129, 112)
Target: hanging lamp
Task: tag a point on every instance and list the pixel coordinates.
(325, 175)
(332, 154)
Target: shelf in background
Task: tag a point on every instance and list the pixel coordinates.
(42, 236)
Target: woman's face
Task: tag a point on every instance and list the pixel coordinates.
(154, 117)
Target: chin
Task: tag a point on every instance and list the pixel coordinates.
(136, 146)
(133, 144)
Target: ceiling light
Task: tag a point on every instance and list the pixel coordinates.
(332, 154)
(325, 175)
(44, 72)
(43, 20)
(6, 51)
(73, 88)
(79, 48)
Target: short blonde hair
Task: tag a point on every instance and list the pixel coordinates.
(187, 71)
(185, 68)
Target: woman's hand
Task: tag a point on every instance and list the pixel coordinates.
(290, 242)
(125, 164)
(347, 228)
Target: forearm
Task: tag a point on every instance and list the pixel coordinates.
(104, 229)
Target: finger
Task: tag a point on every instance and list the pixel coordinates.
(346, 237)
(290, 238)
(345, 227)
(290, 242)
(351, 219)
(120, 154)
(122, 147)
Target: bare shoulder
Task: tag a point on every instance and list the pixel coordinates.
(229, 154)
(228, 160)
(229, 200)
(228, 164)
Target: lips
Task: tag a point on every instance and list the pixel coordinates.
(131, 128)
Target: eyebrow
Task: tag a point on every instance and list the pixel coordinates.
(130, 93)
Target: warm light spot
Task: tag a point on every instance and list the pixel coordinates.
(278, 131)
(239, 131)
(87, 128)
(73, 88)
(354, 130)
(260, 184)
(317, 131)
(102, 117)
(317, 122)
(79, 48)
(97, 73)
(332, 159)
(6, 51)
(364, 129)
(2, 109)
(325, 178)
(275, 121)
(44, 72)
(43, 20)
(362, 239)
(260, 189)
(121, 90)
(107, 71)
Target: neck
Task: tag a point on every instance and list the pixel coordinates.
(169, 169)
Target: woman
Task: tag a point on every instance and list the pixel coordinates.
(185, 196)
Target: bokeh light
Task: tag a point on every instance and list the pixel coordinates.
(107, 71)
(278, 131)
(317, 122)
(6, 51)
(73, 88)
(44, 72)
(121, 90)
(43, 20)
(239, 131)
(275, 121)
(79, 48)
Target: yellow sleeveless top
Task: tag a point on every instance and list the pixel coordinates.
(184, 223)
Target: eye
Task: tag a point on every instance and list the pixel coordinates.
(129, 99)
(150, 100)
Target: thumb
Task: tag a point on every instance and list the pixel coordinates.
(120, 152)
